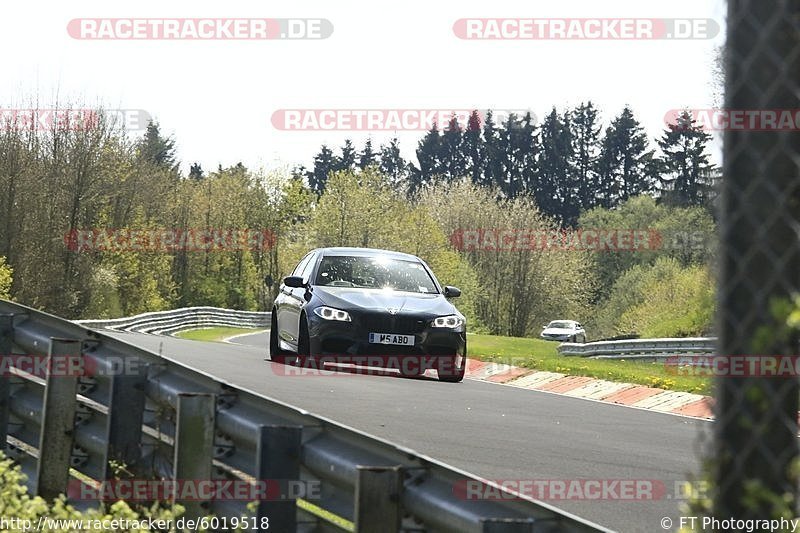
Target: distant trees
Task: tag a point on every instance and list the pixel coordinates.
(567, 164)
(490, 174)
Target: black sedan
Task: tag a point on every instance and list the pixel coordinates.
(371, 308)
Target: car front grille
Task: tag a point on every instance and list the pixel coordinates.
(386, 323)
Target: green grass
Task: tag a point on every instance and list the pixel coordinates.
(213, 334)
(536, 354)
(542, 355)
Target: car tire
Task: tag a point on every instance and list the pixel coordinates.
(449, 372)
(304, 358)
(275, 354)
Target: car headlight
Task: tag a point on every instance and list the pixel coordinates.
(449, 321)
(329, 313)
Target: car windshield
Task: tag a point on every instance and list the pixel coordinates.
(378, 272)
(560, 324)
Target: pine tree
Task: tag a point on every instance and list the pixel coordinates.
(156, 149)
(686, 173)
(367, 157)
(556, 194)
(586, 150)
(492, 174)
(347, 161)
(196, 172)
(324, 163)
(473, 148)
(392, 164)
(429, 151)
(625, 166)
(452, 156)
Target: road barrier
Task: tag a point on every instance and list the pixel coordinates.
(168, 322)
(165, 421)
(640, 348)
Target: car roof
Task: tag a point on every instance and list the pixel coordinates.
(365, 252)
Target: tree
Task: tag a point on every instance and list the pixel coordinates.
(586, 149)
(686, 174)
(453, 160)
(324, 163)
(556, 192)
(196, 172)
(367, 157)
(347, 161)
(429, 150)
(625, 167)
(155, 149)
(474, 149)
(392, 165)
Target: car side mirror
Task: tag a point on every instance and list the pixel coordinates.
(294, 282)
(451, 292)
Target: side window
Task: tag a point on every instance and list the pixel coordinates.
(301, 265)
(308, 268)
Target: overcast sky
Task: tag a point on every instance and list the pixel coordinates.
(217, 97)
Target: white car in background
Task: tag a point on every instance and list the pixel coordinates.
(564, 331)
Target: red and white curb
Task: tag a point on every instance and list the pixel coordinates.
(674, 402)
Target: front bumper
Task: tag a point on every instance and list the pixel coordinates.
(335, 339)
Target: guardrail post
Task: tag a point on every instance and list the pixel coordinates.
(58, 418)
(378, 495)
(125, 414)
(508, 525)
(278, 461)
(6, 338)
(194, 446)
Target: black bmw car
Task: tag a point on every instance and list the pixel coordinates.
(368, 307)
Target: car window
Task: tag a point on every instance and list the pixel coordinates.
(308, 268)
(375, 273)
(301, 265)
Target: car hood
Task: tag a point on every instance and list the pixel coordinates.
(559, 331)
(348, 299)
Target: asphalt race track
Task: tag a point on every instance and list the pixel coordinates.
(494, 431)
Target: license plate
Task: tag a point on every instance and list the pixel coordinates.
(391, 338)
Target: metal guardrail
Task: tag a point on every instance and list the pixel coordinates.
(640, 348)
(168, 322)
(164, 420)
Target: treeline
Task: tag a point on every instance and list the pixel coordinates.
(568, 164)
(68, 179)
(65, 180)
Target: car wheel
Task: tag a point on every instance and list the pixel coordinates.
(450, 371)
(303, 344)
(276, 355)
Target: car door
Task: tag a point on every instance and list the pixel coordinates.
(286, 305)
(296, 299)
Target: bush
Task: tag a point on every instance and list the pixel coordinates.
(15, 502)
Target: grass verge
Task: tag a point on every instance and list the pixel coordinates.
(213, 334)
(539, 354)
